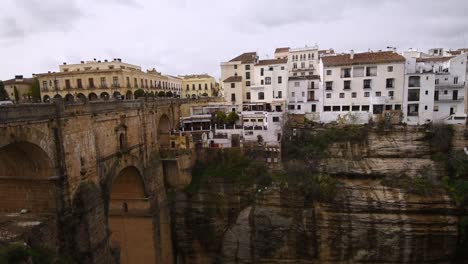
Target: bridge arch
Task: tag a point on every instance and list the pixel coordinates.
(130, 220)
(27, 179)
(164, 131)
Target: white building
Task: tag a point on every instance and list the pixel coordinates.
(435, 87)
(361, 86)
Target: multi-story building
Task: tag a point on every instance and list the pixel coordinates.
(361, 85)
(198, 85)
(19, 88)
(435, 87)
(94, 80)
(237, 77)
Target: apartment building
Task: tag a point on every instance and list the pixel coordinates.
(362, 85)
(237, 78)
(102, 80)
(198, 85)
(435, 86)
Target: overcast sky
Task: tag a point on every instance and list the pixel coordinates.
(194, 36)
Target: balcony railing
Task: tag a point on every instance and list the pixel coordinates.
(459, 98)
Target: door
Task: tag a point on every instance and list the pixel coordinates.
(455, 95)
(452, 111)
(436, 96)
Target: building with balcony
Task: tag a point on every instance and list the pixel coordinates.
(198, 85)
(361, 86)
(103, 80)
(435, 86)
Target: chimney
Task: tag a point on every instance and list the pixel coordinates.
(351, 54)
(64, 63)
(82, 62)
(105, 60)
(18, 77)
(94, 59)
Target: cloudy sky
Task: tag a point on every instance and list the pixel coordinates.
(194, 36)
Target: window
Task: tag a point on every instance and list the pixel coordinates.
(345, 108)
(247, 67)
(445, 92)
(390, 93)
(296, 84)
(206, 86)
(390, 83)
(341, 95)
(414, 81)
(390, 68)
(353, 95)
(347, 85)
(262, 82)
(436, 108)
(233, 85)
(355, 108)
(193, 86)
(67, 84)
(199, 86)
(327, 108)
(235, 67)
(247, 95)
(358, 71)
(103, 82)
(455, 80)
(367, 83)
(276, 119)
(425, 107)
(336, 108)
(247, 83)
(427, 92)
(328, 85)
(365, 108)
(329, 72)
(188, 87)
(298, 107)
(397, 107)
(303, 94)
(328, 95)
(79, 84)
(44, 85)
(413, 95)
(314, 108)
(280, 79)
(115, 81)
(247, 75)
(293, 94)
(388, 107)
(345, 72)
(413, 109)
(366, 94)
(282, 68)
(268, 80)
(291, 107)
(378, 94)
(261, 71)
(233, 97)
(436, 81)
(371, 71)
(261, 96)
(302, 65)
(91, 82)
(294, 65)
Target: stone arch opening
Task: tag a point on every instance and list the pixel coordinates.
(69, 98)
(117, 96)
(57, 96)
(46, 99)
(104, 96)
(27, 179)
(164, 132)
(130, 220)
(81, 97)
(129, 95)
(92, 97)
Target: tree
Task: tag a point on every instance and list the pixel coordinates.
(15, 91)
(169, 94)
(161, 94)
(36, 91)
(139, 93)
(205, 94)
(3, 93)
(232, 118)
(220, 118)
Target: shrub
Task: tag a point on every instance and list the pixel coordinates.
(440, 137)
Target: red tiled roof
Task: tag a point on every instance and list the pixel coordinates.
(279, 50)
(271, 62)
(363, 58)
(234, 79)
(14, 81)
(247, 57)
(434, 59)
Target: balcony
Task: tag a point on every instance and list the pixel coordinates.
(450, 86)
(312, 99)
(451, 99)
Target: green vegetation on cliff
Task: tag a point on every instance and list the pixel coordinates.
(19, 253)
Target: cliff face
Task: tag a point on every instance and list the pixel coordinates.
(366, 221)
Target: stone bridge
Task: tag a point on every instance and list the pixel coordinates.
(95, 171)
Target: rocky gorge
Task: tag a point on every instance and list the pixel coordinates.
(339, 195)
